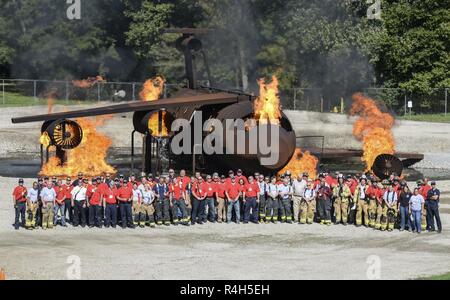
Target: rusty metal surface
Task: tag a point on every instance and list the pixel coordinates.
(348, 153)
(198, 99)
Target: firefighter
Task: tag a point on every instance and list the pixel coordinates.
(432, 201)
(221, 203)
(147, 207)
(125, 198)
(210, 200)
(79, 204)
(263, 189)
(48, 196)
(232, 193)
(251, 200)
(324, 198)
(298, 185)
(41, 185)
(424, 188)
(285, 193)
(68, 213)
(59, 203)
(178, 201)
(162, 202)
(199, 193)
(381, 205)
(272, 201)
(373, 193)
(342, 194)
(32, 206)
(19, 199)
(110, 205)
(94, 194)
(308, 204)
(389, 213)
(361, 200)
(136, 204)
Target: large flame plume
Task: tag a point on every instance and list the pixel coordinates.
(89, 157)
(267, 107)
(152, 90)
(88, 83)
(373, 128)
(302, 162)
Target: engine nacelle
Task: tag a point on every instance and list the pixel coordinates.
(386, 164)
(64, 134)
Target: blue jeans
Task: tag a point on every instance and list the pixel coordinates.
(237, 210)
(211, 209)
(417, 216)
(59, 207)
(404, 218)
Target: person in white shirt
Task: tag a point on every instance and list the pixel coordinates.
(79, 204)
(32, 206)
(298, 185)
(272, 201)
(48, 197)
(416, 207)
(147, 207)
(389, 213)
(308, 204)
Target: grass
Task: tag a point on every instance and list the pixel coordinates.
(441, 118)
(437, 277)
(17, 100)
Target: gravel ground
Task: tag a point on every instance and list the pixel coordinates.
(221, 251)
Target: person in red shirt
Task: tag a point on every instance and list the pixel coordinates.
(110, 203)
(20, 201)
(239, 176)
(125, 197)
(94, 195)
(68, 187)
(220, 194)
(232, 192)
(210, 199)
(185, 180)
(199, 193)
(178, 201)
(251, 200)
(60, 203)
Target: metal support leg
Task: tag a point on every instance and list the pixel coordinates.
(42, 156)
(132, 151)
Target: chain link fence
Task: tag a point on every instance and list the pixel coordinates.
(397, 101)
(21, 91)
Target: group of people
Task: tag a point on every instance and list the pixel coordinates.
(362, 200)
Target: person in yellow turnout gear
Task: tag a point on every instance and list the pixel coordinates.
(308, 204)
(380, 204)
(361, 200)
(389, 213)
(32, 206)
(374, 193)
(341, 194)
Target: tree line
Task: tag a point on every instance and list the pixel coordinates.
(325, 44)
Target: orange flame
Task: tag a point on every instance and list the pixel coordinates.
(88, 83)
(2, 274)
(302, 162)
(152, 90)
(267, 106)
(89, 157)
(373, 128)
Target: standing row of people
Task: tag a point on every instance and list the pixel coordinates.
(166, 200)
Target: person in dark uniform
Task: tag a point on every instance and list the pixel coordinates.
(39, 207)
(432, 204)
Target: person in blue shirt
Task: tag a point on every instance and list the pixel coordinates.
(432, 205)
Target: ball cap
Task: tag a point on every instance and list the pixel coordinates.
(21, 180)
(433, 183)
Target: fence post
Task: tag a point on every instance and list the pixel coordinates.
(67, 91)
(134, 91)
(3, 91)
(98, 91)
(406, 103)
(446, 101)
(295, 98)
(34, 90)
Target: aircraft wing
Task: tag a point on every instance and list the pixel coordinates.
(194, 100)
